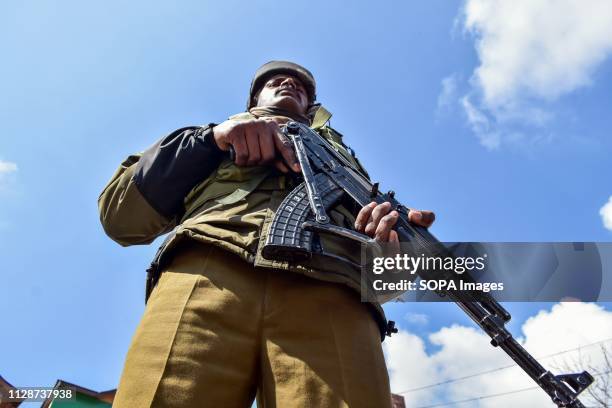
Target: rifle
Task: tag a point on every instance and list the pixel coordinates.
(327, 178)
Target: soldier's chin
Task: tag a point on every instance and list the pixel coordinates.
(287, 102)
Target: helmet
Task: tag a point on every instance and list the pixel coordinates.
(269, 69)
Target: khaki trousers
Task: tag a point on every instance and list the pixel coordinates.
(217, 331)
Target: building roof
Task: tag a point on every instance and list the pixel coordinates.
(106, 396)
(397, 401)
(5, 386)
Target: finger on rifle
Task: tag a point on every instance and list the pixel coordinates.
(385, 226)
(394, 242)
(252, 140)
(422, 218)
(241, 150)
(280, 165)
(285, 148)
(276, 119)
(266, 143)
(377, 213)
(363, 216)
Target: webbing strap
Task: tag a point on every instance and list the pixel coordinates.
(244, 190)
(321, 117)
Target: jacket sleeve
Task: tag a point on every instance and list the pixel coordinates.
(144, 198)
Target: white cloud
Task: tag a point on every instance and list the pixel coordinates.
(462, 351)
(7, 167)
(606, 214)
(448, 94)
(532, 52)
(7, 179)
(417, 318)
(409, 366)
(481, 125)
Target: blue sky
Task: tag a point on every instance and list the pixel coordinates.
(85, 84)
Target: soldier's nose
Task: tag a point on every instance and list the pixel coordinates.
(289, 82)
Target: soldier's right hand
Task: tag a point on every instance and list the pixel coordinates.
(257, 142)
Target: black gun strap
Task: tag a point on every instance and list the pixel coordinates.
(160, 261)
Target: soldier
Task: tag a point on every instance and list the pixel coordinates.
(223, 324)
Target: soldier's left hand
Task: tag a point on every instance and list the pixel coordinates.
(377, 221)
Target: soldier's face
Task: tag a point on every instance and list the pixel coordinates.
(284, 91)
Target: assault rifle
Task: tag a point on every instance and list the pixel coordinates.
(327, 178)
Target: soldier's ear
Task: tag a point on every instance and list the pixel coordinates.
(253, 100)
(256, 98)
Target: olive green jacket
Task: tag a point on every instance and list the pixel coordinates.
(231, 208)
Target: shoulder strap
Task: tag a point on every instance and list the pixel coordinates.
(241, 115)
(320, 118)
